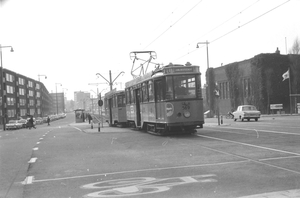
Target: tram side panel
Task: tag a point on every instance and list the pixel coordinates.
(185, 113)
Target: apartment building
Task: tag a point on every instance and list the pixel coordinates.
(23, 96)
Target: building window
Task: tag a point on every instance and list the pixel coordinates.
(30, 83)
(30, 93)
(21, 92)
(38, 103)
(9, 89)
(31, 102)
(38, 86)
(38, 94)
(9, 78)
(31, 111)
(22, 102)
(10, 101)
(11, 113)
(21, 81)
(22, 112)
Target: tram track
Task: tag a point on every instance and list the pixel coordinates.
(257, 161)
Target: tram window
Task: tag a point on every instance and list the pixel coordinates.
(132, 95)
(158, 91)
(121, 101)
(114, 101)
(144, 92)
(169, 88)
(127, 93)
(151, 91)
(185, 86)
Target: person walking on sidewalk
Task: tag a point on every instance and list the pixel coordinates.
(90, 118)
(48, 120)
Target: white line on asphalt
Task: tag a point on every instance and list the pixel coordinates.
(142, 170)
(77, 128)
(265, 131)
(253, 160)
(32, 160)
(28, 180)
(38, 143)
(252, 145)
(41, 138)
(276, 158)
(35, 149)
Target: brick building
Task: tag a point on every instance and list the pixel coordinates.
(257, 81)
(23, 96)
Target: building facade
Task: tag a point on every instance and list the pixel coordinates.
(58, 105)
(257, 81)
(82, 100)
(22, 96)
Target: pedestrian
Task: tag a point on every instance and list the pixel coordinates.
(48, 121)
(31, 122)
(90, 118)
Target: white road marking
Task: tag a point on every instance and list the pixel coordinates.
(35, 149)
(253, 160)
(265, 131)
(41, 138)
(28, 180)
(251, 145)
(38, 143)
(142, 170)
(32, 160)
(279, 194)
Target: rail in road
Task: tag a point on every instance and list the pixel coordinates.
(240, 159)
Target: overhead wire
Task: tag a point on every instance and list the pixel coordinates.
(190, 52)
(173, 24)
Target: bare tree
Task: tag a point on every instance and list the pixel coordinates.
(296, 47)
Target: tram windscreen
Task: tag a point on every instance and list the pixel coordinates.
(181, 87)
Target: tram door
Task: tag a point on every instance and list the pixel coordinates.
(110, 105)
(158, 97)
(138, 108)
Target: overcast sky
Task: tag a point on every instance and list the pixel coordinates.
(70, 41)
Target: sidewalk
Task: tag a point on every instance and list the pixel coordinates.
(87, 128)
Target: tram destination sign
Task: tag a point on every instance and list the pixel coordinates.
(175, 70)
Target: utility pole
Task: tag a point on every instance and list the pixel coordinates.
(110, 82)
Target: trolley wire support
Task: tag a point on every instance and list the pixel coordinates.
(143, 67)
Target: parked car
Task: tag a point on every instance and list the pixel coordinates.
(39, 120)
(13, 124)
(24, 122)
(246, 112)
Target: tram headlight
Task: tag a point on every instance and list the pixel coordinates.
(186, 114)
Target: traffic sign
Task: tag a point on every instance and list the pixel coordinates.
(100, 103)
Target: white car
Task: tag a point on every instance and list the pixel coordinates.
(246, 112)
(13, 124)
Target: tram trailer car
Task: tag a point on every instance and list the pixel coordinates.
(166, 101)
(115, 108)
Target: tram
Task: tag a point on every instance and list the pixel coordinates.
(115, 108)
(167, 100)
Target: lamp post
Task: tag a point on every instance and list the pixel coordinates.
(56, 96)
(39, 75)
(209, 86)
(206, 42)
(64, 103)
(2, 88)
(110, 82)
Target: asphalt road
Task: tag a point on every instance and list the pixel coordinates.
(236, 159)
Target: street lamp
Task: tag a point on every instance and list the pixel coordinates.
(56, 96)
(2, 88)
(110, 82)
(206, 42)
(39, 75)
(64, 103)
(207, 61)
